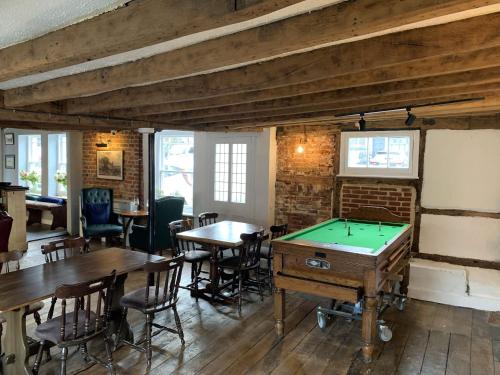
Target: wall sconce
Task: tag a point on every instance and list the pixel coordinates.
(102, 144)
(302, 142)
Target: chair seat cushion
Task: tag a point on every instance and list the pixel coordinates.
(196, 255)
(103, 229)
(137, 298)
(50, 330)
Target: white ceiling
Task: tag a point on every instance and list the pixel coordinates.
(22, 20)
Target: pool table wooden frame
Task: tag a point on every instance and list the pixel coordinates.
(354, 276)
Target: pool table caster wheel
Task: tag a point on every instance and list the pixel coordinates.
(384, 332)
(401, 303)
(322, 319)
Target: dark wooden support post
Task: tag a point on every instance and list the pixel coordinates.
(151, 191)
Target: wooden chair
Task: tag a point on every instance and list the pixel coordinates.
(207, 218)
(9, 262)
(192, 255)
(247, 260)
(62, 249)
(150, 300)
(266, 252)
(81, 325)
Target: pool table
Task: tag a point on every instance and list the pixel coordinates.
(353, 259)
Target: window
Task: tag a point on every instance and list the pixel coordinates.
(380, 154)
(175, 160)
(57, 165)
(230, 180)
(30, 162)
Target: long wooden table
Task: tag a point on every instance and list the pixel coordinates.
(225, 234)
(21, 288)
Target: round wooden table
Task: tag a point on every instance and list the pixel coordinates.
(127, 219)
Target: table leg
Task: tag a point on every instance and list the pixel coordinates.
(369, 327)
(15, 344)
(214, 273)
(279, 311)
(116, 312)
(126, 227)
(403, 288)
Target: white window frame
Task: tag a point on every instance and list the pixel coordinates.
(405, 173)
(187, 210)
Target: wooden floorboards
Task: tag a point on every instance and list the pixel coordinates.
(428, 338)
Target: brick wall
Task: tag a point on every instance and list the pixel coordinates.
(304, 182)
(131, 144)
(398, 199)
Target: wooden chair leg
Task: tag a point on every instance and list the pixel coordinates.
(149, 329)
(270, 274)
(258, 284)
(109, 355)
(38, 359)
(178, 324)
(120, 327)
(64, 358)
(240, 290)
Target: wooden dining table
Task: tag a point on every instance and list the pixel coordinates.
(21, 288)
(128, 218)
(224, 234)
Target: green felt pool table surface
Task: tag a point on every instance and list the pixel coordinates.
(366, 235)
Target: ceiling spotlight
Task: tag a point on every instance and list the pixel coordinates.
(411, 117)
(362, 122)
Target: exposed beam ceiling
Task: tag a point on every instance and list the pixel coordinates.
(332, 25)
(142, 28)
(424, 48)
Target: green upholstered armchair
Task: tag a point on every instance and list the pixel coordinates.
(167, 209)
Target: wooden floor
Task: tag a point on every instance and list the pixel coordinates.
(428, 339)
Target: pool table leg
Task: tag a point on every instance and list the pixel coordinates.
(369, 327)
(403, 288)
(279, 311)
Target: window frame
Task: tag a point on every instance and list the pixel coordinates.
(403, 173)
(159, 164)
(231, 174)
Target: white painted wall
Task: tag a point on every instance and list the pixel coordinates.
(462, 170)
(460, 236)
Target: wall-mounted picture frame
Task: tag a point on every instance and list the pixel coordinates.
(110, 165)
(10, 162)
(9, 138)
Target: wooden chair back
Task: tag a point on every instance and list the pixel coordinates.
(249, 251)
(207, 218)
(276, 232)
(167, 277)
(181, 246)
(81, 294)
(10, 257)
(63, 249)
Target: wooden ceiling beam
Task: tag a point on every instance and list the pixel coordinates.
(340, 23)
(391, 101)
(472, 62)
(490, 102)
(384, 51)
(458, 83)
(136, 25)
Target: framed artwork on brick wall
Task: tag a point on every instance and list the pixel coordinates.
(110, 165)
